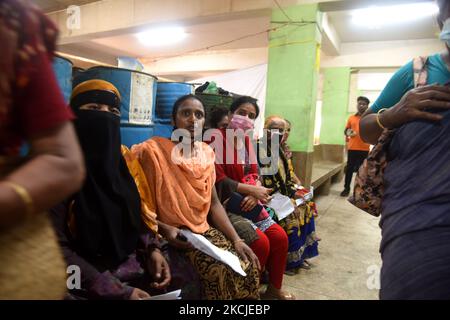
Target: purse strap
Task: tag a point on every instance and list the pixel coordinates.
(420, 70)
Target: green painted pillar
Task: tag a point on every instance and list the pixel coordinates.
(336, 91)
(292, 78)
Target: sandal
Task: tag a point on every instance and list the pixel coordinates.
(305, 265)
(281, 295)
(291, 272)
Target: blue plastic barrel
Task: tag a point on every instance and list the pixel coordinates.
(76, 71)
(132, 135)
(138, 91)
(63, 72)
(163, 130)
(166, 95)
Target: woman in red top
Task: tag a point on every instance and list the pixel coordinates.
(270, 243)
(32, 109)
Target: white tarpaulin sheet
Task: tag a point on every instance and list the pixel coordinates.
(250, 81)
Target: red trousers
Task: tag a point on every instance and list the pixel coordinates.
(271, 249)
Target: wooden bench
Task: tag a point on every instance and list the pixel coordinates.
(328, 167)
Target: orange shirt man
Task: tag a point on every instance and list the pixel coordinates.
(357, 149)
(354, 141)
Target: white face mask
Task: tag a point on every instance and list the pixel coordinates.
(445, 33)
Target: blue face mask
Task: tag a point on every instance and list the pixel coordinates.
(445, 33)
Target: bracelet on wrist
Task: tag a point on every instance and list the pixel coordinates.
(378, 118)
(24, 195)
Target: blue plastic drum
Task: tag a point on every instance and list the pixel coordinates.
(166, 95)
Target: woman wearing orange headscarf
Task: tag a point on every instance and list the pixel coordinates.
(183, 196)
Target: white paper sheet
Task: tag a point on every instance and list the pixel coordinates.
(282, 205)
(201, 243)
(174, 295)
(299, 202)
(307, 197)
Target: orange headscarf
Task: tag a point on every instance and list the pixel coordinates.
(148, 216)
(180, 187)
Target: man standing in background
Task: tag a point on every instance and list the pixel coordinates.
(357, 149)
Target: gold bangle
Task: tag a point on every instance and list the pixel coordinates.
(238, 240)
(378, 117)
(24, 195)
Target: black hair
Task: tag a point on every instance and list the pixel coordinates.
(363, 99)
(217, 115)
(443, 5)
(243, 100)
(180, 101)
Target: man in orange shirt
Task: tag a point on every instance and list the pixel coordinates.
(357, 149)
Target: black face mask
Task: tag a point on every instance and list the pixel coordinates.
(99, 135)
(107, 209)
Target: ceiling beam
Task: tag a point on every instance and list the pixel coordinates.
(214, 61)
(331, 43)
(115, 17)
(381, 54)
(330, 6)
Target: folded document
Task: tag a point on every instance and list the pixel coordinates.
(201, 243)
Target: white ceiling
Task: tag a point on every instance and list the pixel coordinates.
(210, 34)
(199, 36)
(425, 28)
(54, 5)
(203, 35)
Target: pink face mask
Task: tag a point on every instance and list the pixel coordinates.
(241, 122)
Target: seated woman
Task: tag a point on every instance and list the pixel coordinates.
(183, 196)
(300, 225)
(267, 239)
(100, 228)
(288, 154)
(219, 118)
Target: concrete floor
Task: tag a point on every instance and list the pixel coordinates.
(350, 242)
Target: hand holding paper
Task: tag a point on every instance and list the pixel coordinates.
(282, 205)
(174, 295)
(201, 243)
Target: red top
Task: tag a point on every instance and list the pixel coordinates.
(234, 170)
(30, 98)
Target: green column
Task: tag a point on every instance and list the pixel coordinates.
(292, 78)
(336, 90)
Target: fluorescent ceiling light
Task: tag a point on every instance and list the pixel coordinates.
(161, 36)
(376, 17)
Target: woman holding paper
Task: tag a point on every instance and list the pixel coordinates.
(300, 224)
(110, 254)
(238, 178)
(181, 179)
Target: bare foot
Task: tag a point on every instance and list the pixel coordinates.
(276, 294)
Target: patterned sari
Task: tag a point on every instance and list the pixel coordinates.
(180, 195)
(301, 231)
